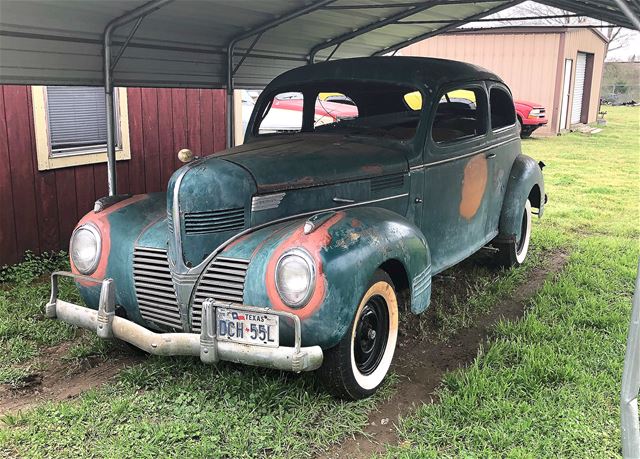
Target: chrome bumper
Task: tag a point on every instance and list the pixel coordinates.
(205, 344)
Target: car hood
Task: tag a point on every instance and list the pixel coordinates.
(528, 103)
(305, 160)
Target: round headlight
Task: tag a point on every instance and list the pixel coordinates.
(85, 248)
(295, 277)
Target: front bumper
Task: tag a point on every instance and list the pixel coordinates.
(534, 122)
(205, 344)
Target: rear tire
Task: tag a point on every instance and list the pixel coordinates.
(356, 367)
(513, 253)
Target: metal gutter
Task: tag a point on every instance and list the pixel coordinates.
(453, 25)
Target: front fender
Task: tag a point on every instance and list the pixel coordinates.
(347, 246)
(524, 177)
(139, 220)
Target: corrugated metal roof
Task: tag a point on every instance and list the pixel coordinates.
(184, 43)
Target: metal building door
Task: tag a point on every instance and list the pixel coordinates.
(578, 88)
(566, 93)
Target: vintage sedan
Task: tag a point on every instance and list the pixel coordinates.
(303, 249)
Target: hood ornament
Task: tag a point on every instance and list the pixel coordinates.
(185, 155)
(315, 221)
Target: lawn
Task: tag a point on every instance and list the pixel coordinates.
(548, 385)
(545, 386)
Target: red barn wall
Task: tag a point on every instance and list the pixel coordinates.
(39, 209)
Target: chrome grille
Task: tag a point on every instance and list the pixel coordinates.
(224, 281)
(154, 287)
(214, 221)
(170, 222)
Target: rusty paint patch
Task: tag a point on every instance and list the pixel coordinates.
(312, 243)
(474, 185)
(101, 221)
(373, 169)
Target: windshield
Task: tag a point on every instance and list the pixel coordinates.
(351, 107)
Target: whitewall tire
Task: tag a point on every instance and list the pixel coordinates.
(514, 253)
(357, 366)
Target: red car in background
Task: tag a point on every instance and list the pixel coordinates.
(530, 117)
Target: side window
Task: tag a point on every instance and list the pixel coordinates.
(503, 113)
(333, 107)
(283, 114)
(460, 115)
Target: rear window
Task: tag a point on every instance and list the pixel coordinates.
(283, 114)
(460, 115)
(333, 107)
(503, 112)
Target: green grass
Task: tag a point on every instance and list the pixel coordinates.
(179, 407)
(24, 331)
(548, 385)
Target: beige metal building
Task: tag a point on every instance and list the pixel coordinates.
(558, 67)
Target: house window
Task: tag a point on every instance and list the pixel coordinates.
(71, 125)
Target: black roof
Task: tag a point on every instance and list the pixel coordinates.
(414, 71)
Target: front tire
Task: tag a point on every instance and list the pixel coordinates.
(356, 367)
(513, 253)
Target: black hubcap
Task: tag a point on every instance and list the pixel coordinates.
(372, 330)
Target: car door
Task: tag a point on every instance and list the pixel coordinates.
(503, 148)
(456, 173)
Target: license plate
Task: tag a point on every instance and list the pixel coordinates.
(247, 327)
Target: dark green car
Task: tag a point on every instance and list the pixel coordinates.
(358, 181)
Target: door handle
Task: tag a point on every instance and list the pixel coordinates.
(343, 200)
(490, 155)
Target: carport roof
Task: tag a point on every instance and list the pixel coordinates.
(184, 42)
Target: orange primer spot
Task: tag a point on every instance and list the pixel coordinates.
(101, 221)
(474, 185)
(373, 169)
(312, 243)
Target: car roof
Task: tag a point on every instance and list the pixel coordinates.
(414, 71)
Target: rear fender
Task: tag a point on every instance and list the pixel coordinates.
(525, 176)
(347, 247)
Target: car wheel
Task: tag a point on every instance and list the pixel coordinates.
(519, 127)
(513, 253)
(525, 134)
(357, 366)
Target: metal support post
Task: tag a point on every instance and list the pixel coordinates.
(631, 383)
(136, 14)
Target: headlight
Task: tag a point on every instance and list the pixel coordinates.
(295, 277)
(85, 248)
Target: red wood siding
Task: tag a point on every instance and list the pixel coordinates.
(38, 210)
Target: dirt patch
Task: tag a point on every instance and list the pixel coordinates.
(56, 377)
(420, 365)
